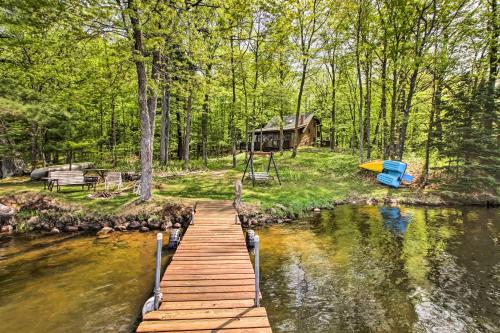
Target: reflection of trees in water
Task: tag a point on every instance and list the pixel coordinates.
(339, 274)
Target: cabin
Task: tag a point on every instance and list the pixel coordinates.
(309, 128)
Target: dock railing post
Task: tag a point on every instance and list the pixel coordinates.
(157, 292)
(257, 272)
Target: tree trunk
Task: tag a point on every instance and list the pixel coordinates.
(146, 135)
(180, 149)
(281, 129)
(333, 111)
(165, 119)
(368, 108)
(383, 97)
(34, 145)
(153, 94)
(490, 116)
(394, 105)
(188, 129)
(297, 113)
(360, 86)
(113, 129)
(232, 129)
(204, 130)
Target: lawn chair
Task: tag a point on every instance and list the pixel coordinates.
(113, 178)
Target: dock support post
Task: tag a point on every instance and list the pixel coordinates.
(257, 272)
(157, 292)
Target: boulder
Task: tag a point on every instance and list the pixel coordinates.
(316, 210)
(6, 229)
(105, 230)
(71, 228)
(37, 174)
(11, 167)
(144, 229)
(54, 231)
(120, 227)
(134, 225)
(6, 211)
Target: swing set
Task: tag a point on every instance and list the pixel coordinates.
(260, 176)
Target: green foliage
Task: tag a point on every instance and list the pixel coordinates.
(68, 89)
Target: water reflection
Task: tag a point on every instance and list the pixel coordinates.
(358, 269)
(78, 284)
(393, 220)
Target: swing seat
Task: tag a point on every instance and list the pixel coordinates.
(260, 176)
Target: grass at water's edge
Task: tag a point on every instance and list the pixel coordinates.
(315, 178)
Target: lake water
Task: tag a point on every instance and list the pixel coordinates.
(78, 284)
(352, 269)
(379, 269)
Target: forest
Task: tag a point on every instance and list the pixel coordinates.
(169, 80)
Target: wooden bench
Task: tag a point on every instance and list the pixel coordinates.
(260, 176)
(70, 178)
(113, 178)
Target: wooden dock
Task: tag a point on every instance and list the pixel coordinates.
(210, 284)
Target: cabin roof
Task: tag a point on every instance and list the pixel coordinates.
(288, 123)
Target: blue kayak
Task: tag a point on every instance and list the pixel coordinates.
(393, 173)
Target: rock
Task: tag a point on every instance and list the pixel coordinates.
(11, 167)
(120, 228)
(154, 225)
(371, 201)
(33, 220)
(71, 228)
(177, 225)
(6, 211)
(83, 227)
(166, 225)
(144, 229)
(7, 229)
(316, 210)
(134, 225)
(54, 231)
(105, 230)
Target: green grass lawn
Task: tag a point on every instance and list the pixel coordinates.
(315, 178)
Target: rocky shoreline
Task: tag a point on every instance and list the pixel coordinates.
(39, 213)
(43, 214)
(252, 216)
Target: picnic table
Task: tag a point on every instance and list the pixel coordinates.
(100, 172)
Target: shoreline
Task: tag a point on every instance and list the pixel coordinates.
(45, 215)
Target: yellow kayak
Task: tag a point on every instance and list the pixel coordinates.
(377, 165)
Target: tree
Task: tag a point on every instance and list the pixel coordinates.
(309, 18)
